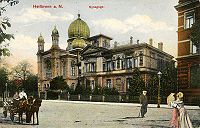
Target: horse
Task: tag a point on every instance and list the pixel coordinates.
(34, 109)
(24, 107)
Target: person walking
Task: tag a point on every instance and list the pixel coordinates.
(175, 113)
(184, 119)
(144, 103)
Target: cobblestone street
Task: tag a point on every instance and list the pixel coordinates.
(69, 114)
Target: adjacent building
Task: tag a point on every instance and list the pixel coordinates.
(96, 60)
(188, 59)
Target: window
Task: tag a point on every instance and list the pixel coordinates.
(86, 67)
(129, 63)
(104, 67)
(108, 65)
(93, 67)
(135, 62)
(123, 64)
(119, 84)
(113, 65)
(64, 69)
(72, 68)
(118, 63)
(141, 60)
(189, 19)
(104, 43)
(108, 83)
(128, 82)
(92, 84)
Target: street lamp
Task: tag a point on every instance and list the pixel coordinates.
(159, 76)
(6, 91)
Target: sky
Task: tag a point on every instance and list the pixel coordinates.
(119, 19)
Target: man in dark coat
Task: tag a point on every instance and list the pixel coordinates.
(144, 103)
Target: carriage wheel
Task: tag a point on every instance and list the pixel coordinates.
(12, 116)
(5, 113)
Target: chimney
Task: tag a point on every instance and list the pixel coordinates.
(151, 41)
(160, 46)
(131, 40)
(115, 44)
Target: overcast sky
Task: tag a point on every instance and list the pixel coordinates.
(119, 19)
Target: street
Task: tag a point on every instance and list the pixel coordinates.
(74, 114)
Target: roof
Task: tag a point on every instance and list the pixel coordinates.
(99, 35)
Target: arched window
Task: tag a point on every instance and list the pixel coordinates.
(72, 68)
(118, 63)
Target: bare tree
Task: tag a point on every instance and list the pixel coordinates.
(22, 71)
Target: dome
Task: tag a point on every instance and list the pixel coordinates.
(78, 43)
(40, 38)
(55, 31)
(78, 28)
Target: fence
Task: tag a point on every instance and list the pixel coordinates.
(121, 98)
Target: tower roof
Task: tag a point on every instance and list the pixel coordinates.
(40, 38)
(55, 31)
(78, 28)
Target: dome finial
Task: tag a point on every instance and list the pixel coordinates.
(79, 15)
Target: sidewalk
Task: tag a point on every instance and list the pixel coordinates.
(121, 104)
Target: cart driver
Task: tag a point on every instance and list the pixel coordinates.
(22, 95)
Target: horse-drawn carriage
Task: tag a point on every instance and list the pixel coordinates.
(19, 107)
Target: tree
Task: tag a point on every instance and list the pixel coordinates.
(137, 84)
(152, 87)
(31, 85)
(4, 23)
(168, 80)
(195, 35)
(22, 71)
(58, 83)
(109, 91)
(3, 80)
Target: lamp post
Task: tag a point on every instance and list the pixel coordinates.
(159, 76)
(6, 94)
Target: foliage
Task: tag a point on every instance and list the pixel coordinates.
(87, 90)
(52, 94)
(195, 33)
(31, 85)
(4, 24)
(3, 79)
(109, 91)
(97, 90)
(12, 88)
(58, 83)
(78, 89)
(137, 84)
(168, 80)
(22, 71)
(152, 87)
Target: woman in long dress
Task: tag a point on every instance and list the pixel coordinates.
(184, 120)
(174, 121)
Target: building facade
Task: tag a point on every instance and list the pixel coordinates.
(99, 62)
(188, 59)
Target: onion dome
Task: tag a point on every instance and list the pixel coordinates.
(78, 28)
(78, 43)
(55, 31)
(40, 38)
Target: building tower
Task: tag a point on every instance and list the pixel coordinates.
(78, 28)
(188, 59)
(55, 53)
(40, 60)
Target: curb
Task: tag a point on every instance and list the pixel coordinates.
(120, 104)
